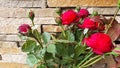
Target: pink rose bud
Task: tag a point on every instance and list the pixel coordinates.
(69, 17)
(100, 43)
(31, 15)
(83, 13)
(88, 23)
(24, 29)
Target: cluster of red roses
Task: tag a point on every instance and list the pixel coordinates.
(99, 42)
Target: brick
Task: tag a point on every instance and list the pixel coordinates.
(46, 12)
(23, 12)
(10, 50)
(51, 28)
(4, 44)
(10, 25)
(72, 3)
(19, 21)
(13, 65)
(23, 3)
(14, 58)
(103, 11)
(9, 38)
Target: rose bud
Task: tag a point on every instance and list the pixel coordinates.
(69, 17)
(95, 13)
(31, 15)
(24, 29)
(83, 13)
(100, 43)
(88, 23)
(58, 20)
(58, 11)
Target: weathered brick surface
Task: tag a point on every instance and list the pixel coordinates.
(10, 25)
(16, 58)
(46, 12)
(23, 12)
(10, 50)
(23, 3)
(13, 65)
(4, 44)
(51, 28)
(103, 11)
(9, 38)
(66, 3)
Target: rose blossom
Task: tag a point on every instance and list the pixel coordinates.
(83, 13)
(69, 17)
(88, 23)
(24, 29)
(99, 42)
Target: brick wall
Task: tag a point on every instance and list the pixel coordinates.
(14, 13)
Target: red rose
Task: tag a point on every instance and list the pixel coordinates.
(24, 29)
(69, 17)
(99, 42)
(88, 23)
(83, 13)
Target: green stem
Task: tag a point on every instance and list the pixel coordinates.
(38, 41)
(33, 23)
(90, 60)
(87, 56)
(81, 38)
(117, 10)
(63, 31)
(93, 62)
(46, 63)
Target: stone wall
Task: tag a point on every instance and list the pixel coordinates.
(14, 13)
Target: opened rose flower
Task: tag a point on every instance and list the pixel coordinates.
(83, 13)
(24, 29)
(99, 42)
(88, 23)
(69, 17)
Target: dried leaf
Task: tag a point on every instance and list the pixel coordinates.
(118, 61)
(114, 31)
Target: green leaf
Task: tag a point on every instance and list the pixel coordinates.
(51, 48)
(29, 46)
(41, 66)
(70, 35)
(40, 54)
(79, 50)
(65, 41)
(119, 4)
(31, 60)
(46, 37)
(78, 34)
(37, 49)
(61, 49)
(71, 50)
(36, 33)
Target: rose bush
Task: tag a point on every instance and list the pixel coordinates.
(82, 42)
